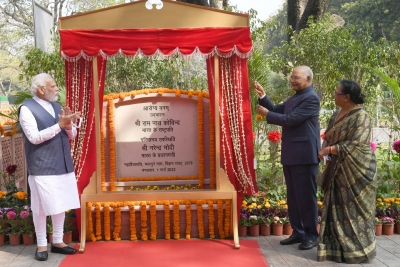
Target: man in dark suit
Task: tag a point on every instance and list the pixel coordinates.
(299, 118)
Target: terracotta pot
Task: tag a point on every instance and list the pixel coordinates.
(254, 230)
(265, 230)
(277, 229)
(287, 229)
(67, 238)
(2, 236)
(242, 229)
(15, 240)
(388, 229)
(378, 229)
(50, 238)
(397, 226)
(28, 239)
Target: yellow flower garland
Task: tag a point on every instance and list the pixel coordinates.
(200, 220)
(143, 221)
(117, 223)
(220, 219)
(160, 91)
(107, 222)
(132, 222)
(212, 148)
(111, 144)
(177, 228)
(153, 221)
(103, 158)
(211, 220)
(188, 220)
(167, 222)
(98, 222)
(90, 222)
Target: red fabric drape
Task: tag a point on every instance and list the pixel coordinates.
(234, 71)
(80, 97)
(223, 41)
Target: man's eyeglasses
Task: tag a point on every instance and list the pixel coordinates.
(295, 77)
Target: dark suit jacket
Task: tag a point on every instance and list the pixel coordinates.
(299, 118)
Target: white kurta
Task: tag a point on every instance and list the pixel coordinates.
(57, 193)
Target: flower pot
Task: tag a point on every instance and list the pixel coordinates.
(277, 229)
(28, 239)
(397, 226)
(15, 240)
(2, 236)
(287, 229)
(67, 238)
(254, 230)
(388, 229)
(378, 229)
(50, 238)
(265, 230)
(242, 229)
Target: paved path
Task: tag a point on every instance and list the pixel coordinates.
(388, 254)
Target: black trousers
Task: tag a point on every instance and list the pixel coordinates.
(302, 199)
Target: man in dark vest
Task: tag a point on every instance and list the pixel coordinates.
(299, 118)
(47, 129)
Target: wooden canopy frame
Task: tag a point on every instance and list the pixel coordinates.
(174, 15)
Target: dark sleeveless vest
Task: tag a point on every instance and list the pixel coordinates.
(52, 157)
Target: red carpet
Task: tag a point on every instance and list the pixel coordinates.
(168, 253)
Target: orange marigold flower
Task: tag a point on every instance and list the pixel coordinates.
(259, 117)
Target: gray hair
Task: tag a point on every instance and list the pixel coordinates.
(307, 71)
(39, 80)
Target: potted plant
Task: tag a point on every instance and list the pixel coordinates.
(397, 223)
(15, 229)
(254, 228)
(287, 227)
(265, 225)
(243, 223)
(388, 225)
(277, 226)
(2, 234)
(27, 228)
(68, 227)
(378, 226)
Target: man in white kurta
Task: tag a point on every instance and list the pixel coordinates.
(47, 127)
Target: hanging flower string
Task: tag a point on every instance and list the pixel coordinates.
(188, 220)
(153, 221)
(227, 221)
(98, 222)
(177, 228)
(143, 221)
(167, 221)
(220, 219)
(103, 158)
(90, 222)
(212, 149)
(200, 220)
(211, 220)
(132, 222)
(160, 91)
(107, 222)
(117, 222)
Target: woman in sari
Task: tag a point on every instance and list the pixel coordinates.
(349, 181)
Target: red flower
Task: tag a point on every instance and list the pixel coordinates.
(11, 169)
(323, 135)
(274, 136)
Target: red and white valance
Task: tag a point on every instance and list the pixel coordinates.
(184, 42)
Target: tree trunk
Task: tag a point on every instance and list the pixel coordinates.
(298, 12)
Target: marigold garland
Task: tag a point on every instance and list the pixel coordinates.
(157, 178)
(103, 158)
(177, 227)
(132, 222)
(153, 221)
(98, 221)
(107, 222)
(212, 148)
(188, 220)
(111, 139)
(200, 220)
(220, 219)
(200, 140)
(90, 222)
(167, 221)
(211, 219)
(227, 218)
(143, 221)
(117, 222)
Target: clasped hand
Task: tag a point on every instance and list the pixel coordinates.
(66, 118)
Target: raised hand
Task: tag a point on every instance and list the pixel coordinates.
(259, 89)
(67, 117)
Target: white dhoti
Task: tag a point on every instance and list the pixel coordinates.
(56, 193)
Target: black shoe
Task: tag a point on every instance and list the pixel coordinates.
(291, 240)
(41, 256)
(308, 244)
(65, 250)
